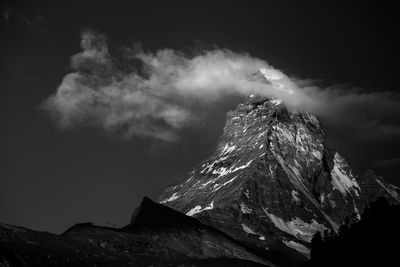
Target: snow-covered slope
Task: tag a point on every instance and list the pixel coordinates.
(273, 181)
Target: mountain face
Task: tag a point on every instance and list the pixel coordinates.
(273, 182)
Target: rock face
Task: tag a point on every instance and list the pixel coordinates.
(273, 182)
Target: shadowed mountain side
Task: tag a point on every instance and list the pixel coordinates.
(157, 236)
(372, 241)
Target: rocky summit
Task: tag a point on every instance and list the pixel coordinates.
(273, 182)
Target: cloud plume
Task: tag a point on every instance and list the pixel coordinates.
(155, 94)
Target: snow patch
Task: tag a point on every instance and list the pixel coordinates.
(198, 209)
(344, 182)
(322, 198)
(296, 227)
(248, 229)
(247, 193)
(317, 154)
(261, 134)
(295, 196)
(357, 212)
(276, 101)
(227, 149)
(218, 186)
(245, 209)
(283, 134)
(172, 198)
(224, 171)
(194, 211)
(207, 183)
(390, 189)
(271, 74)
(242, 167)
(297, 246)
(190, 178)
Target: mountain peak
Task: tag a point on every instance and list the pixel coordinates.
(273, 181)
(271, 74)
(265, 75)
(151, 214)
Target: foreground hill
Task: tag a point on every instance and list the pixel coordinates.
(372, 241)
(156, 236)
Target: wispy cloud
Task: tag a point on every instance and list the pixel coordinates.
(155, 94)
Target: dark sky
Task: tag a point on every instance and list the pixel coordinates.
(52, 178)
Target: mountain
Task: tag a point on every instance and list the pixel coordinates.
(271, 185)
(156, 236)
(273, 182)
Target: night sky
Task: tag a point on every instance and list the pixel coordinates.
(52, 178)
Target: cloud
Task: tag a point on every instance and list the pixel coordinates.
(155, 94)
(356, 112)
